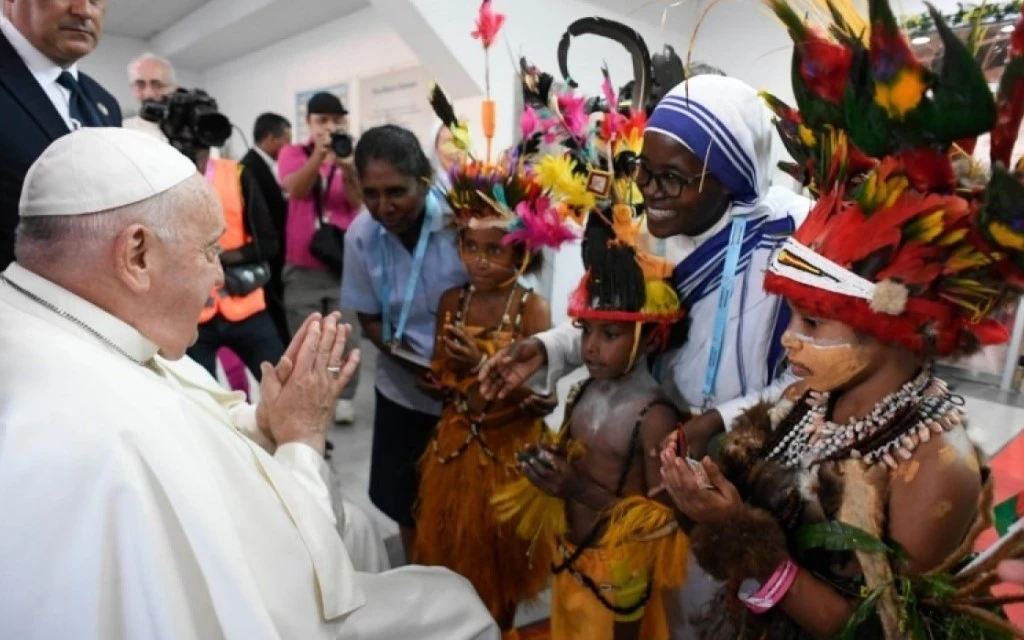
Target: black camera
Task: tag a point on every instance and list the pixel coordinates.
(341, 144)
(189, 119)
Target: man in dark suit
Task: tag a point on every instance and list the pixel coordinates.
(270, 134)
(42, 94)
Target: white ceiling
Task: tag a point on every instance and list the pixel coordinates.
(143, 19)
(205, 33)
(276, 21)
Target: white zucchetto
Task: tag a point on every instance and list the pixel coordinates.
(96, 169)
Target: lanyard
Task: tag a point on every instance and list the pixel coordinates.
(414, 275)
(732, 259)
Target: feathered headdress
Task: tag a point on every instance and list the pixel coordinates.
(894, 246)
(503, 194)
(589, 147)
(621, 282)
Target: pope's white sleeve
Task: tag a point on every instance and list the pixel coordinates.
(307, 466)
(243, 416)
(311, 471)
(106, 549)
(562, 344)
(772, 393)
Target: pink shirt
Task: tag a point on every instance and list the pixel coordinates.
(301, 223)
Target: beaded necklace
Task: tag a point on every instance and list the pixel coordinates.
(897, 425)
(461, 401)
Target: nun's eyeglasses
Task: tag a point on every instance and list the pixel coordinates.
(670, 185)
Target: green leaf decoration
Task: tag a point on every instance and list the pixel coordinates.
(935, 587)
(860, 615)
(837, 536)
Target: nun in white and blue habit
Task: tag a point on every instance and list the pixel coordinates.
(706, 170)
(731, 358)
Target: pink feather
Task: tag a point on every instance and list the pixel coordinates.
(540, 226)
(573, 110)
(529, 122)
(488, 24)
(608, 90)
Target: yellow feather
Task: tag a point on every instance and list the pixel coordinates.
(645, 533)
(929, 227)
(539, 518)
(626, 230)
(661, 298)
(1006, 237)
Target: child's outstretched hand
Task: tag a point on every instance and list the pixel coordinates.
(547, 470)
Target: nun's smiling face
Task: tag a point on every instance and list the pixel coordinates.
(681, 198)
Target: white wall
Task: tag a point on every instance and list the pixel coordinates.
(108, 65)
(360, 44)
(533, 29)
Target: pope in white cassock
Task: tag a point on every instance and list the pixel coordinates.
(139, 500)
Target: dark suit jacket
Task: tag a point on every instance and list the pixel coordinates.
(269, 187)
(28, 124)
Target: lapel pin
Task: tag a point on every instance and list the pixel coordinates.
(103, 109)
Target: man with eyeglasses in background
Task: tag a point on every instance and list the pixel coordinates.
(152, 78)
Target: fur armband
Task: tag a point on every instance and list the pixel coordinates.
(750, 545)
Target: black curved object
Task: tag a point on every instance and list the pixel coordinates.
(627, 37)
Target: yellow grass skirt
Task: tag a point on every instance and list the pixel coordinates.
(456, 526)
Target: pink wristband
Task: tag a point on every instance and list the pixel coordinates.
(771, 592)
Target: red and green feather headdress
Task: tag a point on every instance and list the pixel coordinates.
(895, 246)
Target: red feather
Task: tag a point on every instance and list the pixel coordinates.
(488, 24)
(1009, 101)
(928, 169)
(824, 66)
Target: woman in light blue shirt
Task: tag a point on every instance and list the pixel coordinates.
(400, 256)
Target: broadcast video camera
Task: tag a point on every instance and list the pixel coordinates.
(189, 119)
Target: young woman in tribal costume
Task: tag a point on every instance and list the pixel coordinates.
(853, 505)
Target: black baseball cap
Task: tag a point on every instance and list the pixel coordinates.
(326, 104)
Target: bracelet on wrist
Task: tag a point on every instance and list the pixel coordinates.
(761, 598)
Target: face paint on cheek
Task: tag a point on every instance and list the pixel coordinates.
(830, 365)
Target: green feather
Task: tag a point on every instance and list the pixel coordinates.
(961, 105)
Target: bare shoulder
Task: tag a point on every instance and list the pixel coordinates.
(536, 314)
(934, 498)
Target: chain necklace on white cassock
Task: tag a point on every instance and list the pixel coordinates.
(67, 316)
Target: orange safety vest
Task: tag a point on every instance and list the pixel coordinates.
(226, 183)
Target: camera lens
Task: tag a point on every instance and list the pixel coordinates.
(341, 144)
(212, 129)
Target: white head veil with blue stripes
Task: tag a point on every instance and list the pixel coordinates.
(723, 121)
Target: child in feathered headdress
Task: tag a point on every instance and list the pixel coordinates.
(852, 508)
(504, 219)
(582, 499)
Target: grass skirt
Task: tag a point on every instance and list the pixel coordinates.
(457, 527)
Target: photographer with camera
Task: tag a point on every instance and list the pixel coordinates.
(323, 198)
(235, 314)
